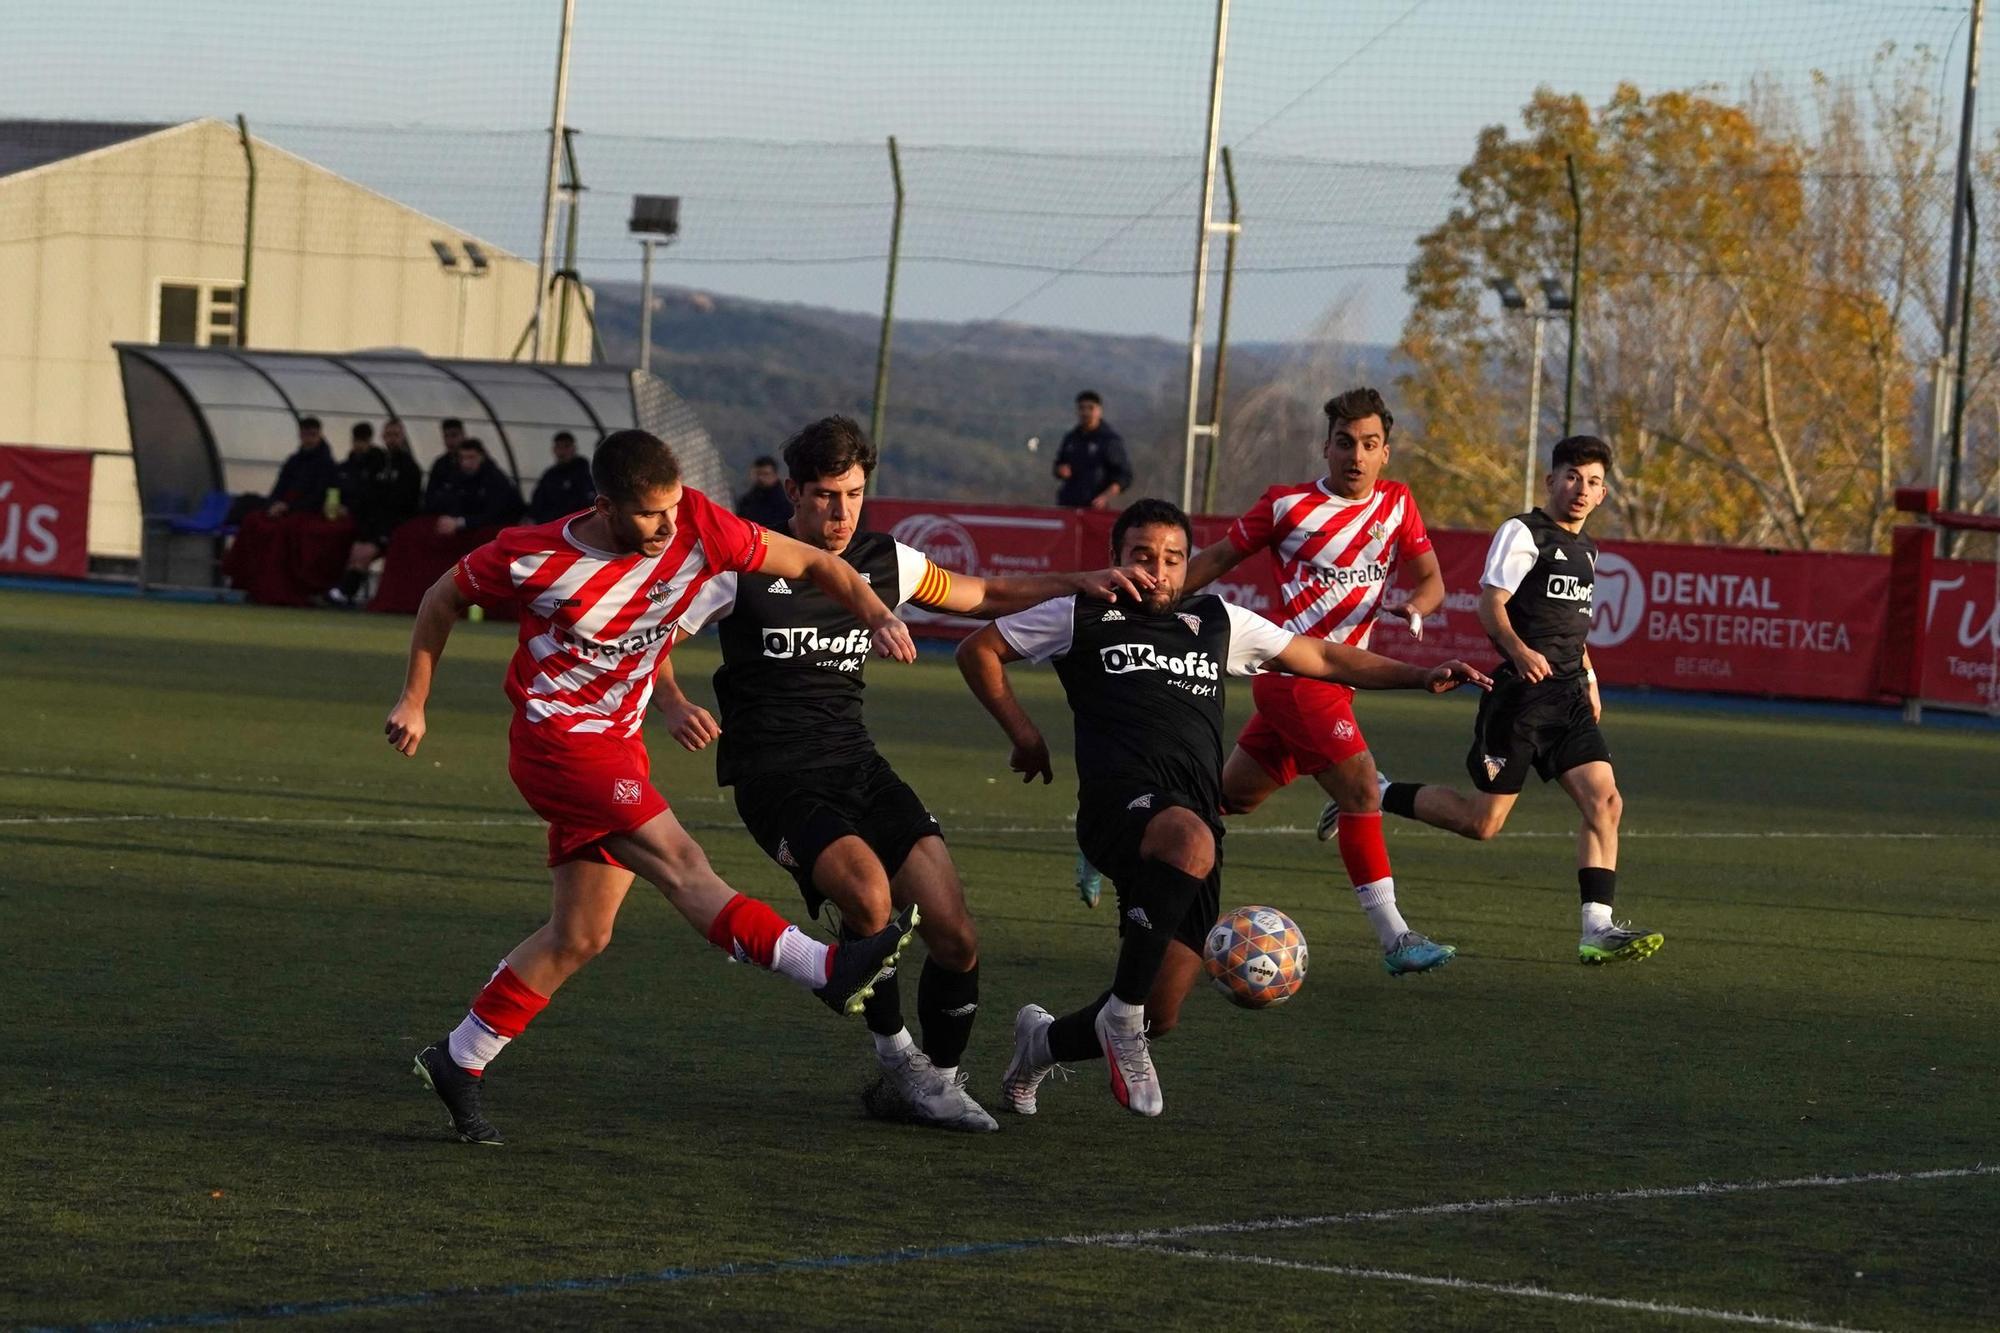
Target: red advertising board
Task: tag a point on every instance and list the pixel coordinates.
(1796, 623)
(986, 540)
(1961, 643)
(44, 511)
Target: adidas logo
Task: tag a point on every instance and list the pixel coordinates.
(1137, 916)
(1559, 554)
(1141, 802)
(784, 856)
(781, 588)
(1114, 614)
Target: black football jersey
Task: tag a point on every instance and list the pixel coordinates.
(1144, 687)
(790, 684)
(1550, 574)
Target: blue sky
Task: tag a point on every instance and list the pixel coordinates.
(769, 117)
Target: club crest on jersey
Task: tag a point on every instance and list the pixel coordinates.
(659, 592)
(1191, 620)
(625, 791)
(784, 855)
(1376, 532)
(1140, 802)
(1344, 729)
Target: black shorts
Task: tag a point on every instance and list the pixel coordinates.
(1110, 823)
(1547, 724)
(795, 816)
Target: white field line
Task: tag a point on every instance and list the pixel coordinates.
(1521, 1290)
(364, 821)
(1702, 1190)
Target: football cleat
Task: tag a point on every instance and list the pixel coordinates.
(1618, 944)
(459, 1091)
(1025, 1074)
(912, 1091)
(1414, 952)
(1130, 1063)
(1089, 881)
(858, 964)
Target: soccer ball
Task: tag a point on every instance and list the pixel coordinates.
(1256, 956)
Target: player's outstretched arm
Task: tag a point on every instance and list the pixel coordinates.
(1364, 670)
(790, 558)
(687, 721)
(443, 604)
(1493, 618)
(982, 660)
(989, 599)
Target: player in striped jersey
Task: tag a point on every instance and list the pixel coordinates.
(1337, 541)
(598, 594)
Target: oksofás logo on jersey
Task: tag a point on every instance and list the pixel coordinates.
(1121, 659)
(805, 641)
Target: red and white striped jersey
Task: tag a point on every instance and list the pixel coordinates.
(594, 624)
(1335, 556)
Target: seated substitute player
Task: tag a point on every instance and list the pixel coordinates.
(810, 785)
(1535, 602)
(1337, 541)
(598, 594)
(1145, 689)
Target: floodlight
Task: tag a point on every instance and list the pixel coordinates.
(480, 263)
(1554, 294)
(655, 215)
(446, 256)
(1510, 295)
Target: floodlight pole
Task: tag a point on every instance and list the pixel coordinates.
(1941, 400)
(249, 229)
(878, 416)
(1575, 292)
(1947, 536)
(551, 185)
(646, 244)
(1205, 228)
(1536, 318)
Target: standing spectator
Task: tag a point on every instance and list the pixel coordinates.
(473, 494)
(366, 477)
(1091, 464)
(765, 503)
(566, 487)
(405, 492)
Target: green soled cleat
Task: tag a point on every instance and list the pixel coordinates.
(1089, 882)
(1416, 953)
(859, 964)
(1618, 944)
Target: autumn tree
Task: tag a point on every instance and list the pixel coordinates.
(1759, 280)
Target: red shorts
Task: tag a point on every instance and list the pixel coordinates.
(1300, 726)
(587, 787)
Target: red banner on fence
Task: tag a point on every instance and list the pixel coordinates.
(44, 511)
(1961, 642)
(986, 540)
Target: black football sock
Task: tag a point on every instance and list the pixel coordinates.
(1400, 798)
(882, 1011)
(1073, 1037)
(947, 1002)
(1153, 907)
(1597, 884)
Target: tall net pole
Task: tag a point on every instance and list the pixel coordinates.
(553, 182)
(1199, 317)
(1941, 400)
(878, 417)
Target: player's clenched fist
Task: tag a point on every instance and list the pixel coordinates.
(690, 724)
(1448, 676)
(405, 727)
(1031, 760)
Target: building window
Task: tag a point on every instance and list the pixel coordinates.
(200, 314)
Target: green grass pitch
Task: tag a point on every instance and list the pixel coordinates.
(230, 915)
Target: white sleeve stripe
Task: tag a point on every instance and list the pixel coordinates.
(1510, 557)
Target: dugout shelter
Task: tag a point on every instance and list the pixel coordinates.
(211, 422)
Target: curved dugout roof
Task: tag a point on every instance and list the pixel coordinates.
(223, 418)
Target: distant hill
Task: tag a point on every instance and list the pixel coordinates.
(963, 398)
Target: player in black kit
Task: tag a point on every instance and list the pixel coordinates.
(811, 788)
(1535, 602)
(1145, 688)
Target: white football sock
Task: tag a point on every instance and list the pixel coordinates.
(801, 957)
(947, 1074)
(1126, 1015)
(1378, 900)
(891, 1049)
(472, 1045)
(1596, 917)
